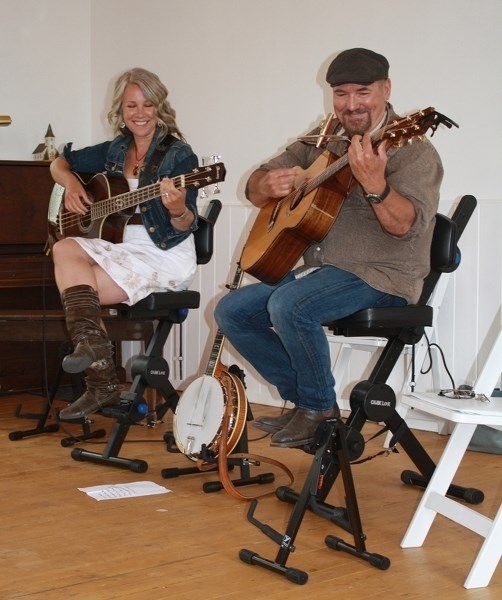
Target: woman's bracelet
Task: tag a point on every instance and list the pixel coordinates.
(180, 217)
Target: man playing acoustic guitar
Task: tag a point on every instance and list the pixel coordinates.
(375, 252)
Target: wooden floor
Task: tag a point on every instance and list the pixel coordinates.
(57, 542)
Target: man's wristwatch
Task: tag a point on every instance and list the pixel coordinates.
(377, 198)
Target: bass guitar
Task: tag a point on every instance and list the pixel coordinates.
(284, 229)
(112, 206)
(198, 420)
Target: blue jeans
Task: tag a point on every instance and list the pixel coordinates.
(279, 329)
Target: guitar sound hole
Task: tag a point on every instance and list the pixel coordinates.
(85, 222)
(296, 200)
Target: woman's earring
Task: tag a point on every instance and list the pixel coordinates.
(122, 125)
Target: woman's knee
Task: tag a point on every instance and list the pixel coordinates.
(63, 249)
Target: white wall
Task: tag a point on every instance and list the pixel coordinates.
(247, 77)
(46, 75)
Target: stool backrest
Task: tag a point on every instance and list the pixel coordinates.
(444, 245)
(445, 255)
(203, 236)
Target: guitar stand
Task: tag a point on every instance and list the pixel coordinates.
(215, 486)
(335, 445)
(42, 426)
(242, 447)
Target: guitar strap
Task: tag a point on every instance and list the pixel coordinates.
(223, 462)
(149, 172)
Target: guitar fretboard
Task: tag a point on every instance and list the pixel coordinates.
(201, 176)
(109, 206)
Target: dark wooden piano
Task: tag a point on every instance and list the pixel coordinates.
(32, 327)
(26, 275)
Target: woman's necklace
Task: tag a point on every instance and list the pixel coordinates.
(139, 161)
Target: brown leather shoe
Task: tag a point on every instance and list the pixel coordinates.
(301, 428)
(273, 424)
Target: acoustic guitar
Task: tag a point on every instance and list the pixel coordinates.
(112, 205)
(284, 229)
(202, 407)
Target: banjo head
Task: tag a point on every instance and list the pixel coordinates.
(198, 417)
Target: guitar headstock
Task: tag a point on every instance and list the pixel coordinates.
(205, 175)
(413, 126)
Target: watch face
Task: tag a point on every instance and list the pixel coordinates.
(377, 198)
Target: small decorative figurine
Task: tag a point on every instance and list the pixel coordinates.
(46, 150)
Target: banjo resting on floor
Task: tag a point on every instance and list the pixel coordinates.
(198, 420)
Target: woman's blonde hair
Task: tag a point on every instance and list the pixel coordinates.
(154, 90)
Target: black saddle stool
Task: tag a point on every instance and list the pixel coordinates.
(338, 444)
(150, 370)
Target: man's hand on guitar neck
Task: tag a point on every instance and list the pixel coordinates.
(264, 186)
(396, 214)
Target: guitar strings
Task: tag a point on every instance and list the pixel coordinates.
(134, 198)
(307, 186)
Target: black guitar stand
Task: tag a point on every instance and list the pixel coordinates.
(241, 448)
(334, 447)
(42, 418)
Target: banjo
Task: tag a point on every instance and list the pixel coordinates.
(199, 416)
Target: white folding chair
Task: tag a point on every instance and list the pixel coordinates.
(467, 414)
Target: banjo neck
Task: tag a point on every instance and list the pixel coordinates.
(214, 364)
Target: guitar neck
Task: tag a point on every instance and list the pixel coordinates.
(214, 357)
(395, 132)
(333, 168)
(109, 206)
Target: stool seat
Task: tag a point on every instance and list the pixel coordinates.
(384, 321)
(160, 304)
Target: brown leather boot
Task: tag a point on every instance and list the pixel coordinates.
(103, 389)
(83, 321)
(301, 428)
(273, 424)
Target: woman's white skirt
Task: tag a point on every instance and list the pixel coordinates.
(139, 267)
